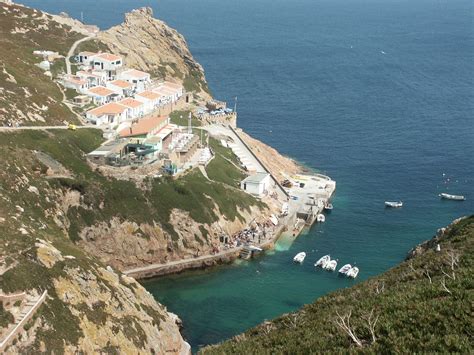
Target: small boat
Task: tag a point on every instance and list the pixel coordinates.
(393, 204)
(452, 197)
(353, 272)
(323, 261)
(331, 265)
(299, 257)
(345, 269)
(321, 218)
(328, 206)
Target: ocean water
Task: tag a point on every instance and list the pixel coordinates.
(377, 94)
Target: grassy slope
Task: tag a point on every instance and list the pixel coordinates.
(192, 192)
(21, 170)
(414, 314)
(32, 89)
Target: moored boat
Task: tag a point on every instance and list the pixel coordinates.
(452, 197)
(353, 272)
(328, 206)
(299, 258)
(323, 261)
(393, 204)
(345, 269)
(321, 218)
(331, 265)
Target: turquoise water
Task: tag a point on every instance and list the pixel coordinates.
(377, 94)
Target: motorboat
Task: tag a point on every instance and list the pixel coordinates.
(321, 218)
(393, 204)
(331, 265)
(323, 261)
(345, 269)
(328, 206)
(452, 197)
(299, 258)
(353, 272)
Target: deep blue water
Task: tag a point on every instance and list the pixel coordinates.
(377, 94)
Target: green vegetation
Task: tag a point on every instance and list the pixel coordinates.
(26, 88)
(181, 118)
(422, 305)
(6, 317)
(195, 82)
(92, 45)
(224, 167)
(58, 68)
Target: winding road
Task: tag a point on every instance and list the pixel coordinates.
(73, 49)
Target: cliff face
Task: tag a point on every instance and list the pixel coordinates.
(150, 45)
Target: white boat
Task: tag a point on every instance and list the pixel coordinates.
(321, 218)
(353, 272)
(331, 265)
(394, 204)
(323, 261)
(328, 207)
(299, 258)
(345, 269)
(452, 197)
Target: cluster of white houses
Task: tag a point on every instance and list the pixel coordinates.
(120, 93)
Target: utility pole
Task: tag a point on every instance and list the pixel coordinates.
(190, 130)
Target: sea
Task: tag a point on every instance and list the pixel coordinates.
(379, 95)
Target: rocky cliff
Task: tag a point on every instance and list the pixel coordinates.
(149, 44)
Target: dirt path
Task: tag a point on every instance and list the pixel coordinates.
(72, 50)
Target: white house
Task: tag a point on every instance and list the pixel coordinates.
(101, 95)
(85, 57)
(122, 87)
(94, 78)
(169, 92)
(150, 99)
(108, 63)
(76, 83)
(135, 108)
(139, 79)
(256, 184)
(111, 113)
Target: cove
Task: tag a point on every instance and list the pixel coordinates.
(378, 95)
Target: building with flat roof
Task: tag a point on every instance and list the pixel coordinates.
(256, 184)
(145, 128)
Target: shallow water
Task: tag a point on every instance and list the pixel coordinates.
(379, 95)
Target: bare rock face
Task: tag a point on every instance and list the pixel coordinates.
(150, 45)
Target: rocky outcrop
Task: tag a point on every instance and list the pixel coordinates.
(273, 160)
(149, 44)
(126, 244)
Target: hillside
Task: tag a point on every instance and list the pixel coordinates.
(27, 95)
(422, 305)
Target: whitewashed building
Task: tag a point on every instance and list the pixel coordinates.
(94, 78)
(122, 87)
(76, 83)
(111, 113)
(107, 62)
(85, 57)
(256, 184)
(139, 79)
(135, 108)
(102, 95)
(150, 99)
